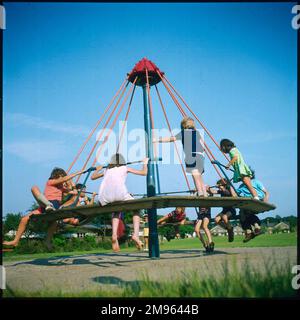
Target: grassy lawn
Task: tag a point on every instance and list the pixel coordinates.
(265, 240)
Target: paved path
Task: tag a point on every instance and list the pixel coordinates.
(88, 272)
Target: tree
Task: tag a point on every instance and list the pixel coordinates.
(11, 222)
(167, 231)
(185, 229)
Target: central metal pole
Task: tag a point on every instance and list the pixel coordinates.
(152, 213)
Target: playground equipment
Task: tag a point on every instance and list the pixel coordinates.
(146, 74)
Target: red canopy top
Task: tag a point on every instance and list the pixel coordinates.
(139, 71)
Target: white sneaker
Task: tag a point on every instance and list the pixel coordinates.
(49, 208)
(256, 198)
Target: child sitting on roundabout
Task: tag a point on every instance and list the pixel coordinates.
(177, 217)
(113, 188)
(203, 218)
(249, 220)
(193, 148)
(227, 213)
(58, 185)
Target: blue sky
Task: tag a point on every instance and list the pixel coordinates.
(235, 65)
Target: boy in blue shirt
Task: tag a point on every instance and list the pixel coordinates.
(248, 219)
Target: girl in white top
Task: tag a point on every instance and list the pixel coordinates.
(113, 188)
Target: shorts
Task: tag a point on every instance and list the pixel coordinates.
(56, 205)
(119, 215)
(229, 212)
(146, 232)
(204, 213)
(248, 219)
(194, 163)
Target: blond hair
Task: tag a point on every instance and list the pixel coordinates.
(184, 122)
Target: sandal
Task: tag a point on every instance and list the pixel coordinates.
(211, 247)
(248, 237)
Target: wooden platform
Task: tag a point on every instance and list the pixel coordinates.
(156, 202)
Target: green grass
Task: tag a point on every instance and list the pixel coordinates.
(273, 281)
(265, 240)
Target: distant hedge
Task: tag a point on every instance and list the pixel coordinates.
(62, 244)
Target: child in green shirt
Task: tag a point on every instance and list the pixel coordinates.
(241, 171)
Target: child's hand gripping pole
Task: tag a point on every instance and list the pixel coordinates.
(221, 166)
(150, 160)
(88, 171)
(133, 162)
(91, 169)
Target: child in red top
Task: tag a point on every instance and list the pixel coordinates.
(58, 184)
(177, 216)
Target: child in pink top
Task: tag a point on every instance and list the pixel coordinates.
(58, 183)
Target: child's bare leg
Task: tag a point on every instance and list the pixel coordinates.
(199, 183)
(226, 221)
(21, 229)
(202, 239)
(206, 230)
(114, 237)
(198, 233)
(204, 190)
(50, 232)
(146, 242)
(136, 228)
(72, 221)
(40, 198)
(218, 219)
(247, 182)
(228, 227)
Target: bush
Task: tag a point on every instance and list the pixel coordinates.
(106, 244)
(59, 241)
(30, 246)
(62, 244)
(90, 240)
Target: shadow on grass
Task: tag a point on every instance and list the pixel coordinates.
(107, 260)
(133, 285)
